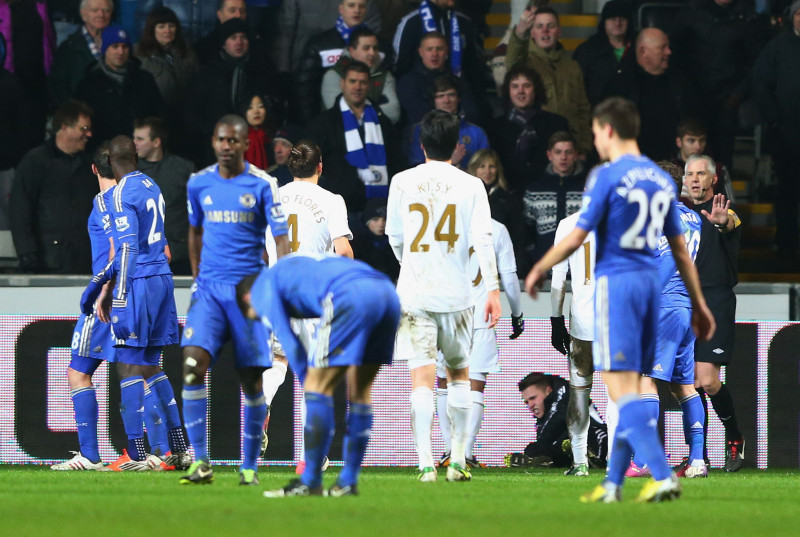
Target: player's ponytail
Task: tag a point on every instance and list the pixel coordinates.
(304, 158)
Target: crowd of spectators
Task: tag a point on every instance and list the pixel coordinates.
(357, 76)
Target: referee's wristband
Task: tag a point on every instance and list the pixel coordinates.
(721, 226)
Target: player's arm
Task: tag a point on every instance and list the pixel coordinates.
(702, 318)
(194, 240)
(102, 305)
(559, 337)
(721, 215)
(394, 222)
(127, 237)
(195, 244)
(507, 267)
(282, 245)
(341, 245)
(556, 254)
(339, 228)
(276, 218)
(481, 239)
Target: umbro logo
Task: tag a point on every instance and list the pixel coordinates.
(658, 368)
(718, 351)
(207, 200)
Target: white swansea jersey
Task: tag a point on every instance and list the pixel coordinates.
(315, 218)
(506, 264)
(581, 266)
(435, 212)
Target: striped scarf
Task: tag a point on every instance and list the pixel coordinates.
(430, 25)
(369, 156)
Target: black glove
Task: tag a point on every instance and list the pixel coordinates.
(559, 336)
(517, 327)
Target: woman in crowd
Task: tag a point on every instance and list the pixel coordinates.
(165, 53)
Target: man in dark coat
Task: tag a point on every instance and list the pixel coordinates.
(51, 198)
(521, 134)
(341, 174)
(222, 86)
(117, 89)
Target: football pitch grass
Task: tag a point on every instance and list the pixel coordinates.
(498, 502)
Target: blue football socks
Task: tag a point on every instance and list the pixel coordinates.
(195, 405)
(651, 404)
(318, 429)
(84, 402)
(160, 384)
(156, 429)
(359, 427)
(640, 428)
(132, 410)
(255, 412)
(694, 421)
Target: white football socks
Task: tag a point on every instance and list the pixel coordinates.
(272, 379)
(578, 425)
(444, 419)
(475, 422)
(422, 424)
(459, 406)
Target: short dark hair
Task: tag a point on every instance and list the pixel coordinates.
(444, 83)
(358, 33)
(439, 133)
(435, 34)
(542, 380)
(561, 136)
(304, 158)
(69, 113)
(233, 120)
(358, 67)
(102, 161)
(157, 126)
(691, 126)
(621, 114)
(539, 93)
(544, 10)
(674, 171)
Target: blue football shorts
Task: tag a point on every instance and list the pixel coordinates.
(675, 347)
(92, 343)
(151, 302)
(626, 307)
(358, 325)
(214, 317)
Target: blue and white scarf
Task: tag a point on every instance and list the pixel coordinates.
(430, 25)
(368, 157)
(344, 30)
(91, 43)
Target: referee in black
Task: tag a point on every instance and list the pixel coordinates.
(720, 240)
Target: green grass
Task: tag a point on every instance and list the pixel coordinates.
(498, 502)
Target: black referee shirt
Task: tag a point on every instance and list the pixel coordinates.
(718, 255)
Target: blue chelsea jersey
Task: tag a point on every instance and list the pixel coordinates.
(234, 214)
(674, 292)
(629, 204)
(100, 229)
(138, 213)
